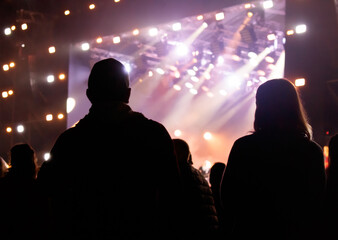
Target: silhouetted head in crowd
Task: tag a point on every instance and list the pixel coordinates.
(3, 167)
(216, 173)
(279, 109)
(23, 161)
(108, 81)
(182, 152)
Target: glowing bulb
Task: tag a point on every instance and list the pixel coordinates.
(116, 39)
(49, 117)
(136, 32)
(91, 6)
(5, 67)
(7, 31)
(300, 28)
(50, 78)
(70, 104)
(67, 12)
(51, 49)
(199, 17)
(4, 94)
(20, 128)
(153, 32)
(219, 16)
(181, 49)
(85, 46)
(24, 26)
(177, 133)
(99, 40)
(207, 136)
(177, 87)
(267, 4)
(9, 129)
(62, 76)
(13, 27)
(10, 92)
(300, 82)
(60, 116)
(46, 156)
(177, 26)
(12, 64)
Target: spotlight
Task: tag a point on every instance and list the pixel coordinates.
(24, 26)
(300, 82)
(70, 104)
(153, 32)
(50, 78)
(5, 67)
(7, 31)
(62, 76)
(46, 156)
(9, 130)
(181, 49)
(177, 26)
(199, 17)
(85, 46)
(49, 117)
(13, 27)
(12, 64)
(136, 32)
(271, 37)
(60, 116)
(267, 4)
(177, 87)
(219, 16)
(99, 40)
(20, 128)
(300, 28)
(116, 39)
(207, 136)
(91, 6)
(193, 91)
(4, 94)
(290, 32)
(177, 132)
(67, 12)
(10, 92)
(51, 49)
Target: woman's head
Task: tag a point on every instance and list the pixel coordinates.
(279, 109)
(23, 161)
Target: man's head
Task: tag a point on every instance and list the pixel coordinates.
(108, 81)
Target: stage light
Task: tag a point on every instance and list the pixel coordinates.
(99, 40)
(10, 92)
(153, 32)
(50, 78)
(51, 49)
(300, 82)
(70, 104)
(236, 58)
(24, 26)
(67, 12)
(249, 14)
(205, 25)
(267, 4)
(181, 49)
(199, 17)
(46, 156)
(62, 76)
(191, 72)
(116, 40)
(271, 37)
(150, 74)
(9, 130)
(194, 79)
(220, 60)
(290, 32)
(7, 31)
(4, 94)
(223, 92)
(116, 1)
(127, 67)
(60, 116)
(193, 91)
(23, 45)
(160, 71)
(177, 74)
(252, 55)
(247, 5)
(13, 27)
(234, 81)
(85, 46)
(5, 67)
(177, 133)
(177, 26)
(269, 59)
(189, 85)
(207, 136)
(91, 6)
(219, 16)
(300, 28)
(49, 117)
(136, 32)
(12, 64)
(20, 128)
(177, 87)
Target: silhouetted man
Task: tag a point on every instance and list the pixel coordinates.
(114, 175)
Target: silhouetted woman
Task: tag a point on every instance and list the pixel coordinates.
(274, 182)
(22, 216)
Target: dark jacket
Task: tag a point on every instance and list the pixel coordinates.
(273, 188)
(113, 176)
(201, 221)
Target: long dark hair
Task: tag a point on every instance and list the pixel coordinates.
(279, 109)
